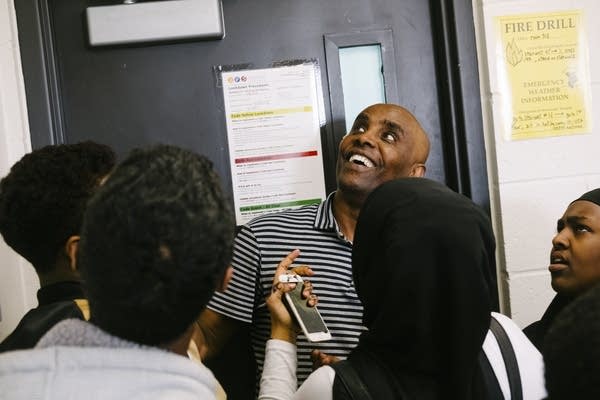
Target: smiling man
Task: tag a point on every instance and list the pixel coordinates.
(385, 142)
(574, 259)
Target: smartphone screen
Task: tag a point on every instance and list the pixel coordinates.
(308, 318)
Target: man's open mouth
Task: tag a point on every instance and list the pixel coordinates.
(361, 160)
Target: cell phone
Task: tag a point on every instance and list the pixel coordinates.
(308, 318)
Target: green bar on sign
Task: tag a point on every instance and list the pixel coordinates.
(296, 203)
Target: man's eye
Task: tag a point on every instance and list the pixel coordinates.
(581, 228)
(389, 137)
(357, 129)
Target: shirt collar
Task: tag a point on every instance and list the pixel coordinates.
(60, 291)
(324, 220)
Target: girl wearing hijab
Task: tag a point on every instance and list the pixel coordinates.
(574, 259)
(423, 266)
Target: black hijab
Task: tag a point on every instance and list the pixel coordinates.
(423, 266)
(592, 195)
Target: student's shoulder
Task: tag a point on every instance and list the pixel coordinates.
(318, 385)
(518, 339)
(507, 323)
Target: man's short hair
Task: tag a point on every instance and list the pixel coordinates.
(572, 350)
(156, 240)
(43, 197)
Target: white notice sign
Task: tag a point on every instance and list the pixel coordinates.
(272, 117)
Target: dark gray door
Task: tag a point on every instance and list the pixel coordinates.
(131, 96)
(136, 95)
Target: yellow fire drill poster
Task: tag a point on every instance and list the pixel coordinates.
(544, 74)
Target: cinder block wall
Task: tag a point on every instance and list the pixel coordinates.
(18, 282)
(533, 181)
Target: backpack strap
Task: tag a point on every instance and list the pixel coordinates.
(510, 359)
(351, 382)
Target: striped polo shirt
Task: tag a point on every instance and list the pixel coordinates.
(258, 249)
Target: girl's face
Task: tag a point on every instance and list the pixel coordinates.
(575, 254)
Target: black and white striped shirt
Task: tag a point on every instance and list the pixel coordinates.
(261, 245)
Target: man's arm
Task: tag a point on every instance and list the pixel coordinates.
(214, 327)
(212, 331)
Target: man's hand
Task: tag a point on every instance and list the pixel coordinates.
(319, 359)
(283, 326)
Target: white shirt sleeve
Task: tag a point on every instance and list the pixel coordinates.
(278, 381)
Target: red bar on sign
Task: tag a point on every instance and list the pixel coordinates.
(276, 157)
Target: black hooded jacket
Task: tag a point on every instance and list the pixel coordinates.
(423, 265)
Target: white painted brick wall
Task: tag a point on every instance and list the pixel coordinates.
(535, 179)
(18, 281)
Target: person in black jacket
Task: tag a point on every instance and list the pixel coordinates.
(574, 260)
(572, 351)
(42, 201)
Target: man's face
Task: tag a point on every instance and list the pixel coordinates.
(379, 147)
(575, 255)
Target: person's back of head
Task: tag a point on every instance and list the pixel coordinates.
(156, 240)
(571, 350)
(43, 198)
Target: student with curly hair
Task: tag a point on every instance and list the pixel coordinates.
(155, 244)
(42, 201)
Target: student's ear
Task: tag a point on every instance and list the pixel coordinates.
(226, 278)
(71, 251)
